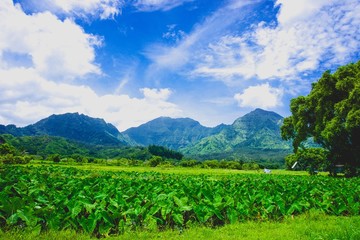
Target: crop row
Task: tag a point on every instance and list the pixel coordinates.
(103, 203)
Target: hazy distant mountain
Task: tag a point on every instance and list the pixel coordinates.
(169, 132)
(72, 126)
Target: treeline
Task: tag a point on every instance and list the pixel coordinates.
(157, 161)
(269, 158)
(9, 154)
(165, 152)
(21, 150)
(44, 146)
(57, 149)
(226, 164)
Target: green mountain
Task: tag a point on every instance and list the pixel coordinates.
(255, 135)
(260, 129)
(172, 133)
(45, 146)
(73, 126)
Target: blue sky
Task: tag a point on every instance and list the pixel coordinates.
(132, 61)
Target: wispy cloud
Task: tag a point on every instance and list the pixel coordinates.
(186, 51)
(40, 54)
(102, 9)
(157, 5)
(306, 33)
(29, 97)
(293, 11)
(173, 34)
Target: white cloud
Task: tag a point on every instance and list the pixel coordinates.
(27, 97)
(102, 9)
(260, 96)
(54, 48)
(167, 58)
(173, 34)
(228, 60)
(39, 51)
(187, 50)
(156, 94)
(156, 5)
(308, 33)
(292, 11)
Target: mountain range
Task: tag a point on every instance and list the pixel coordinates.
(252, 136)
(73, 126)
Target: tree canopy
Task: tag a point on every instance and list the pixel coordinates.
(331, 115)
(164, 152)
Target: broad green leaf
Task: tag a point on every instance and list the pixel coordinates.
(88, 224)
(178, 218)
(270, 209)
(104, 228)
(12, 219)
(75, 210)
(154, 209)
(232, 215)
(35, 231)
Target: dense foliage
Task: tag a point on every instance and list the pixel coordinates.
(46, 146)
(59, 149)
(251, 137)
(169, 132)
(310, 159)
(331, 115)
(164, 152)
(103, 203)
(10, 155)
(246, 139)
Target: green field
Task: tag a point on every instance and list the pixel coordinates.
(171, 169)
(139, 202)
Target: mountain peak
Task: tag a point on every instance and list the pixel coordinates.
(74, 126)
(72, 116)
(78, 127)
(259, 115)
(258, 119)
(249, 134)
(174, 133)
(170, 119)
(263, 112)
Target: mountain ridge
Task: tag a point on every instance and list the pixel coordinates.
(172, 132)
(256, 131)
(248, 136)
(74, 126)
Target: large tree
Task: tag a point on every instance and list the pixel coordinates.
(331, 115)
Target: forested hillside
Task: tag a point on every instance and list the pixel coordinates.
(73, 126)
(252, 137)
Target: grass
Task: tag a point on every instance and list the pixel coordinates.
(174, 170)
(313, 225)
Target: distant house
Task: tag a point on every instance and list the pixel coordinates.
(339, 168)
